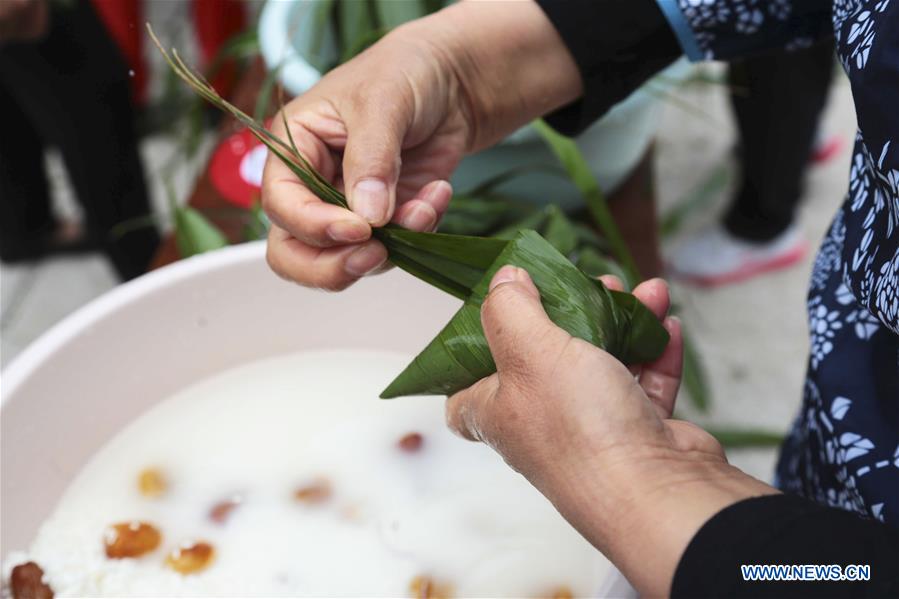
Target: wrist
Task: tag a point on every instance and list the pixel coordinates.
(509, 63)
(668, 512)
(642, 505)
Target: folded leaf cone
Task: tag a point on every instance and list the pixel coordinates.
(459, 355)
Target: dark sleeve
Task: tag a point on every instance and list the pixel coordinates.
(787, 530)
(617, 45)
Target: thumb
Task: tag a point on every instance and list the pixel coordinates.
(517, 328)
(371, 161)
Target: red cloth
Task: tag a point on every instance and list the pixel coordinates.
(125, 22)
(215, 22)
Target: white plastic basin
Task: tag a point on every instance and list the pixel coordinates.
(101, 367)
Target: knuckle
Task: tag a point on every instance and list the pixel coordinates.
(269, 197)
(331, 279)
(276, 262)
(497, 301)
(309, 223)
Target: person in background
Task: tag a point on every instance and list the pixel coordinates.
(777, 99)
(63, 83)
(654, 494)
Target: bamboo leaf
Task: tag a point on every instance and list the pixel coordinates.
(355, 22)
(364, 41)
(262, 107)
(736, 438)
(393, 13)
(489, 185)
(321, 28)
(453, 263)
(135, 224)
(595, 264)
(641, 337)
(559, 231)
(535, 221)
(194, 234)
(694, 379)
(576, 166)
(481, 215)
(459, 355)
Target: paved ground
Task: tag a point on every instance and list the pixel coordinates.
(753, 335)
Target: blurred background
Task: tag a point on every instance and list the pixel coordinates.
(137, 173)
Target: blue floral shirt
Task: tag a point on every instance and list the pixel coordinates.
(844, 446)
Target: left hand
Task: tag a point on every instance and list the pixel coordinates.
(594, 438)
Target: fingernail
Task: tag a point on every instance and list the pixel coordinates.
(439, 188)
(660, 281)
(421, 217)
(508, 274)
(370, 200)
(348, 231)
(364, 260)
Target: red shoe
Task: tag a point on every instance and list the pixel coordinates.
(826, 149)
(714, 257)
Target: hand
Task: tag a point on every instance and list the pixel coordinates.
(390, 126)
(22, 20)
(596, 440)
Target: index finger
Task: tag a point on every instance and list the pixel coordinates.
(294, 207)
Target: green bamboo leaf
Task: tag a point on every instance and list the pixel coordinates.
(135, 224)
(576, 166)
(393, 13)
(641, 337)
(239, 46)
(595, 264)
(364, 41)
(453, 263)
(355, 22)
(587, 236)
(434, 5)
(559, 231)
(535, 221)
(321, 29)
(194, 234)
(459, 355)
(735, 438)
(694, 378)
(481, 215)
(489, 185)
(257, 225)
(264, 97)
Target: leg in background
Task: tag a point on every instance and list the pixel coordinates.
(74, 86)
(26, 219)
(777, 100)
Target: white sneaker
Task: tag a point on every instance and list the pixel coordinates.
(715, 257)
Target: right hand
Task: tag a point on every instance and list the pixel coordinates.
(399, 117)
(391, 125)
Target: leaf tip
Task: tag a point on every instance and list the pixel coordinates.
(391, 392)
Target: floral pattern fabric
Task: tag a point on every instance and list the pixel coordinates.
(844, 446)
